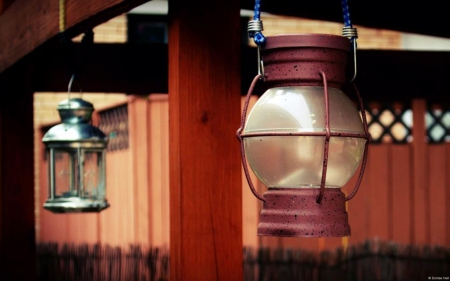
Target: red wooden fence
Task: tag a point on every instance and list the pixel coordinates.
(403, 196)
(137, 186)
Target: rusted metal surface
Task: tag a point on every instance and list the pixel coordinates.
(295, 212)
(299, 60)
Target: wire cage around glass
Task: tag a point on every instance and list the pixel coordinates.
(76, 152)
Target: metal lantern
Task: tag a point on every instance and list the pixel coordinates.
(76, 161)
(304, 138)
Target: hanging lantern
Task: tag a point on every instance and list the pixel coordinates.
(304, 138)
(76, 153)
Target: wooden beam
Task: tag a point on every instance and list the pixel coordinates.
(4, 4)
(403, 75)
(17, 230)
(122, 68)
(27, 24)
(204, 113)
(141, 68)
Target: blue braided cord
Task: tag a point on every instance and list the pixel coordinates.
(346, 13)
(257, 10)
(347, 20)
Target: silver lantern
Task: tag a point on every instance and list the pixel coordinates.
(76, 153)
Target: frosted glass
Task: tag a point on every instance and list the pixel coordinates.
(294, 161)
(92, 174)
(66, 173)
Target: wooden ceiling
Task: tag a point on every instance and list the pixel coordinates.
(381, 74)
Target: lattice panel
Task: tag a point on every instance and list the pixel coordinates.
(389, 122)
(437, 122)
(114, 123)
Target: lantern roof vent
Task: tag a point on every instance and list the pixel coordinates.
(75, 111)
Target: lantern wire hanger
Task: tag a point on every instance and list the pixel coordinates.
(254, 29)
(87, 41)
(351, 33)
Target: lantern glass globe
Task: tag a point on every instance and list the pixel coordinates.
(297, 161)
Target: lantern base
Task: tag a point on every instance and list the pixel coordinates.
(75, 205)
(294, 212)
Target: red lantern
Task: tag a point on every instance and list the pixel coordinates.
(304, 138)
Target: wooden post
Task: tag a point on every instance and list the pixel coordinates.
(204, 114)
(17, 233)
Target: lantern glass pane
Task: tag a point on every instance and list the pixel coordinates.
(93, 177)
(66, 173)
(297, 161)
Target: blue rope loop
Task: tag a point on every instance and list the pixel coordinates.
(259, 39)
(255, 26)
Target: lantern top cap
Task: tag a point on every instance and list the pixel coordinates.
(307, 40)
(75, 103)
(75, 111)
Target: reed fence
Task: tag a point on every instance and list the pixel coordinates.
(96, 262)
(372, 260)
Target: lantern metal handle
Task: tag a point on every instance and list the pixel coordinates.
(327, 141)
(352, 34)
(327, 137)
(239, 136)
(366, 146)
(69, 87)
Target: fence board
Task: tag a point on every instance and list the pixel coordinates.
(138, 139)
(420, 192)
(378, 185)
(356, 208)
(437, 186)
(81, 228)
(116, 229)
(108, 217)
(158, 174)
(401, 186)
(331, 243)
(165, 179)
(446, 182)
